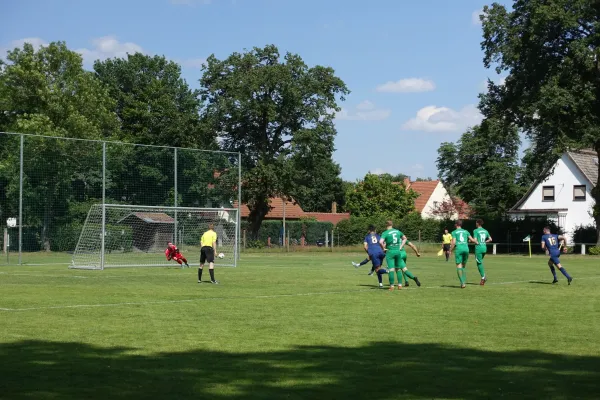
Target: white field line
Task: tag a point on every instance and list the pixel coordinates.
(273, 296)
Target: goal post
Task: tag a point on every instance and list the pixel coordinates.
(116, 235)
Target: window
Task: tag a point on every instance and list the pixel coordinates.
(435, 204)
(579, 192)
(548, 193)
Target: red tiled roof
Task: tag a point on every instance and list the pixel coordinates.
(423, 188)
(292, 210)
(328, 217)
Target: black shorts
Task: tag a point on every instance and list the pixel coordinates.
(446, 247)
(207, 254)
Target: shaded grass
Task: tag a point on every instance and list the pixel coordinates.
(300, 326)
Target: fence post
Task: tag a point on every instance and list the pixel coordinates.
(21, 198)
(332, 241)
(419, 242)
(175, 238)
(327, 239)
(244, 239)
(239, 213)
(494, 249)
(288, 241)
(583, 249)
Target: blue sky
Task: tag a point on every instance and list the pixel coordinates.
(414, 67)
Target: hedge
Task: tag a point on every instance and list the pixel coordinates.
(311, 230)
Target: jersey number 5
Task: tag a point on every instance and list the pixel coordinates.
(395, 237)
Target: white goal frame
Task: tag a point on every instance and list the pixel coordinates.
(166, 223)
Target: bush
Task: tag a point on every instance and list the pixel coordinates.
(595, 251)
(585, 234)
(65, 237)
(311, 230)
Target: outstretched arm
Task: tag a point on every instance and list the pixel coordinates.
(412, 246)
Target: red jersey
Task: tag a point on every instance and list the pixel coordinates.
(172, 251)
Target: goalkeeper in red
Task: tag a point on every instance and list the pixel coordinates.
(173, 253)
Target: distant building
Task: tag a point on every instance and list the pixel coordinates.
(565, 196)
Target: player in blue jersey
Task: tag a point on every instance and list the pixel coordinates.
(374, 254)
(552, 244)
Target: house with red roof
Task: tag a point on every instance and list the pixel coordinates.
(294, 212)
(434, 201)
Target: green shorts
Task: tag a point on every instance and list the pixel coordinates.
(461, 256)
(479, 256)
(395, 259)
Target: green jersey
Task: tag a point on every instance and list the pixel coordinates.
(392, 239)
(481, 235)
(461, 238)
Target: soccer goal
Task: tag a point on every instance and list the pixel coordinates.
(117, 235)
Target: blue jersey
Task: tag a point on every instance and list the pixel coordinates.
(372, 241)
(552, 243)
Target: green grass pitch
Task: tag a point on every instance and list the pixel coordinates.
(301, 326)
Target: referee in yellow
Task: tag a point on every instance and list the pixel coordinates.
(208, 241)
(446, 242)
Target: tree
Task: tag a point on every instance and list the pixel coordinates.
(48, 92)
(377, 195)
(450, 208)
(482, 168)
(428, 179)
(551, 52)
(154, 103)
(278, 114)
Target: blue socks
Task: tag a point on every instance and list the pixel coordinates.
(553, 271)
(363, 262)
(380, 275)
(564, 272)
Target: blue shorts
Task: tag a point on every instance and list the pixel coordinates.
(377, 258)
(555, 258)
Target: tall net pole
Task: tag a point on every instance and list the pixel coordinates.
(175, 200)
(239, 214)
(103, 229)
(21, 199)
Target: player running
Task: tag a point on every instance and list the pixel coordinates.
(394, 241)
(460, 246)
(552, 243)
(374, 254)
(173, 253)
(446, 242)
(405, 256)
(482, 237)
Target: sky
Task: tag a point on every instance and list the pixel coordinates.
(414, 68)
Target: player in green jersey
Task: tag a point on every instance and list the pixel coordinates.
(482, 237)
(460, 246)
(405, 256)
(393, 241)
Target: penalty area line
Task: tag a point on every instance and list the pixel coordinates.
(271, 296)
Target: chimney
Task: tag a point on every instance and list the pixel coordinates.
(407, 182)
(334, 208)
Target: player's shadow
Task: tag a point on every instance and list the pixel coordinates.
(540, 283)
(379, 370)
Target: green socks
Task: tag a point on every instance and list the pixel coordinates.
(409, 274)
(462, 275)
(391, 275)
(481, 270)
(405, 277)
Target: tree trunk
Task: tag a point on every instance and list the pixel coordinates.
(596, 196)
(257, 213)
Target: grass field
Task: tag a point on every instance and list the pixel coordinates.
(301, 326)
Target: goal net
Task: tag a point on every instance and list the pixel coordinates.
(127, 236)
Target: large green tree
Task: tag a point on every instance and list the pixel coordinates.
(482, 168)
(379, 195)
(277, 113)
(551, 53)
(48, 92)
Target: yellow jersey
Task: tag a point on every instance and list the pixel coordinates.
(208, 238)
(447, 239)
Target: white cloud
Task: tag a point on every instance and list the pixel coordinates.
(108, 47)
(378, 171)
(475, 16)
(192, 62)
(365, 111)
(34, 41)
(365, 106)
(417, 167)
(409, 85)
(484, 85)
(443, 119)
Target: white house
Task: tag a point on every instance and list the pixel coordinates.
(565, 196)
(433, 197)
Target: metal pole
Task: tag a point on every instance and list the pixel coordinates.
(103, 230)
(175, 201)
(21, 199)
(283, 237)
(239, 216)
